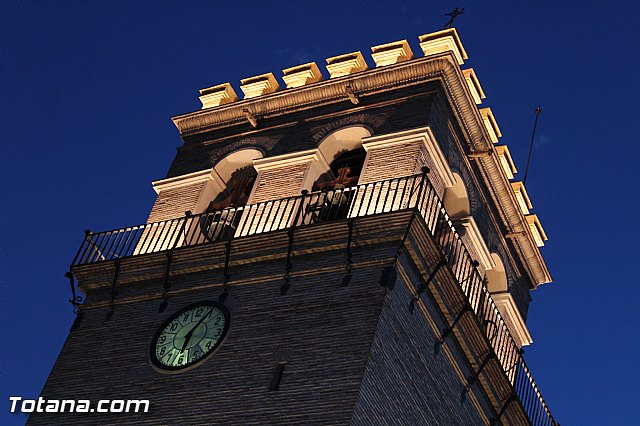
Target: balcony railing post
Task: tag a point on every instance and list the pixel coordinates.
(423, 183)
(303, 195)
(182, 231)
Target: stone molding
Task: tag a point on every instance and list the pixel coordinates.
(507, 307)
(506, 161)
(188, 179)
(428, 140)
(476, 239)
(536, 230)
(490, 124)
(523, 198)
(474, 85)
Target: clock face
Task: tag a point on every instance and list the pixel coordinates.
(190, 336)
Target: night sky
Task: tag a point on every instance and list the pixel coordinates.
(88, 89)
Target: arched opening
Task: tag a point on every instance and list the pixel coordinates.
(497, 276)
(456, 199)
(238, 176)
(343, 151)
(344, 171)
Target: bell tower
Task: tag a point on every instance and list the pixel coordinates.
(350, 248)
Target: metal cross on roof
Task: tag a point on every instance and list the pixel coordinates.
(453, 15)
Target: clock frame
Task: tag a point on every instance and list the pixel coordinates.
(189, 336)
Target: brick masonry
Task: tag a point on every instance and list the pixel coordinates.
(173, 202)
(277, 183)
(337, 340)
(406, 382)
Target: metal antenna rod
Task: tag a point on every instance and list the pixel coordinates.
(533, 135)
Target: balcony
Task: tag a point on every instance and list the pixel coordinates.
(411, 193)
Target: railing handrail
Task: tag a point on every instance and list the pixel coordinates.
(498, 316)
(410, 192)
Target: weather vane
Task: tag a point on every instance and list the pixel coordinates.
(453, 15)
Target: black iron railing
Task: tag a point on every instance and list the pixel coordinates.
(411, 192)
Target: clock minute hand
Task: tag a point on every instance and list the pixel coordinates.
(187, 336)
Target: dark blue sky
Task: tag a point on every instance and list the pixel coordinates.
(88, 89)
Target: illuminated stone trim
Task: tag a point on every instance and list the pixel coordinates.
(506, 161)
(535, 227)
(313, 157)
(177, 195)
(259, 85)
(490, 124)
(217, 95)
(422, 134)
(442, 41)
(346, 64)
(507, 307)
(391, 53)
(188, 179)
(475, 238)
(301, 74)
(474, 85)
(523, 198)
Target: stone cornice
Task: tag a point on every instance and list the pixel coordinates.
(325, 92)
(442, 67)
(497, 182)
(188, 179)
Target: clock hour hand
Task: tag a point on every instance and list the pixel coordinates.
(187, 336)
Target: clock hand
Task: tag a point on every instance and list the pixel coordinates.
(187, 336)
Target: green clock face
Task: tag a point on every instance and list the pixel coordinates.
(190, 336)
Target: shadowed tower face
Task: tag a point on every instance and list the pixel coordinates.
(348, 250)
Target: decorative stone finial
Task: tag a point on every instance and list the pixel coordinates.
(391, 53)
(443, 41)
(506, 161)
(490, 124)
(346, 64)
(535, 227)
(217, 95)
(259, 85)
(523, 198)
(301, 74)
(474, 85)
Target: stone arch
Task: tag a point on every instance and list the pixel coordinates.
(342, 140)
(236, 160)
(340, 149)
(237, 176)
(456, 199)
(497, 276)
